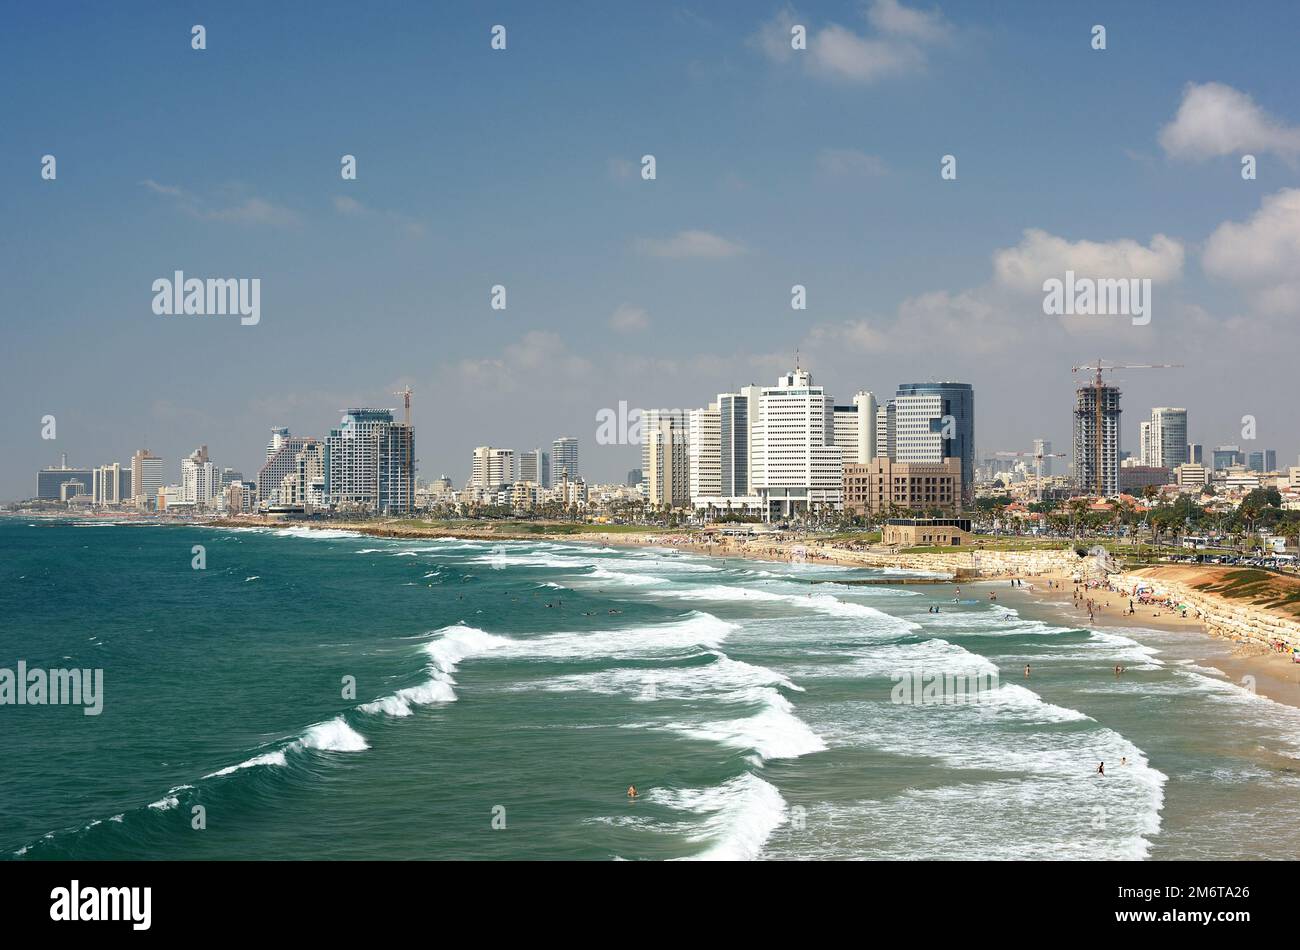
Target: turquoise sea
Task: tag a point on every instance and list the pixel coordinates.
(508, 694)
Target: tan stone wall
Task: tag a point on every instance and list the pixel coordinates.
(1223, 617)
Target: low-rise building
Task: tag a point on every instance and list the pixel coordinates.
(916, 532)
(883, 484)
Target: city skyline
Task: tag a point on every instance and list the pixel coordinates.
(655, 292)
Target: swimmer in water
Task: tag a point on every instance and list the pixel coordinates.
(1101, 768)
(631, 791)
(1026, 669)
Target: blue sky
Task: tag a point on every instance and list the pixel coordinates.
(521, 167)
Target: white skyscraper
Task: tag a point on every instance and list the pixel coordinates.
(855, 429)
(795, 465)
(200, 478)
(564, 459)
(279, 435)
(704, 451)
(492, 468)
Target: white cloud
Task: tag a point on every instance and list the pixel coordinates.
(849, 162)
(629, 319)
(1215, 120)
(1041, 255)
(896, 47)
(691, 244)
(890, 16)
(251, 210)
(345, 204)
(1262, 254)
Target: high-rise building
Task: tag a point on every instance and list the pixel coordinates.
(704, 452)
(1096, 439)
(1270, 460)
(305, 483)
(50, 481)
(564, 458)
(1146, 451)
(1195, 453)
(634, 478)
(1226, 456)
(795, 465)
(370, 462)
(200, 478)
(535, 467)
(934, 421)
(107, 484)
(1167, 438)
(146, 478)
(883, 415)
(396, 459)
(281, 462)
(855, 429)
(736, 413)
(279, 434)
(492, 468)
(665, 457)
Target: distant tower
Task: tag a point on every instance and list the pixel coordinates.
(1096, 439)
(564, 458)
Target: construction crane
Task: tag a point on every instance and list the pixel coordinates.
(1038, 465)
(405, 393)
(1098, 385)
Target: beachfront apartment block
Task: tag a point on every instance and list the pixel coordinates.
(795, 465)
(370, 463)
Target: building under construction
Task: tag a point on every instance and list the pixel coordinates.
(1096, 439)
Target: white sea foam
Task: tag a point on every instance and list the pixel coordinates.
(276, 758)
(453, 645)
(317, 534)
(625, 577)
(738, 816)
(333, 736)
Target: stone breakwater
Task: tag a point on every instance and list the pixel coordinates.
(1222, 617)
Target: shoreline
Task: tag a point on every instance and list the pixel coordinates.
(1274, 675)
